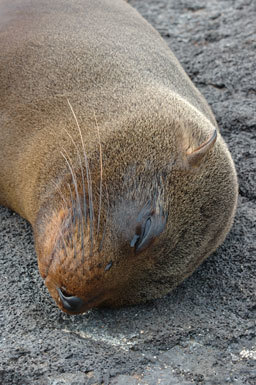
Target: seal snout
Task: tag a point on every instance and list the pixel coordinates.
(75, 305)
(70, 303)
(150, 223)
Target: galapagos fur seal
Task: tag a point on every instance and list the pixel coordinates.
(109, 151)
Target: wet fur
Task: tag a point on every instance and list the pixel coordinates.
(97, 118)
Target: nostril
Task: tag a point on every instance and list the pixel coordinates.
(69, 302)
(64, 293)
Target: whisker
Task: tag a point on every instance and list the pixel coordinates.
(105, 227)
(64, 242)
(60, 192)
(101, 175)
(73, 219)
(83, 216)
(88, 175)
(74, 179)
(73, 216)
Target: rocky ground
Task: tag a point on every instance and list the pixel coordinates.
(204, 332)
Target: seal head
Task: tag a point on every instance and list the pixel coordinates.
(129, 244)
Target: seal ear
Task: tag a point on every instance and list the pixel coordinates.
(194, 158)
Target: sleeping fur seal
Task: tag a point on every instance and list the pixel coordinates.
(109, 151)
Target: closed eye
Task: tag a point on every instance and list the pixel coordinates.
(142, 234)
(147, 229)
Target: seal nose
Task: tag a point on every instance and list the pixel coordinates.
(149, 225)
(70, 303)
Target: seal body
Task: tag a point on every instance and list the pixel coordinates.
(109, 151)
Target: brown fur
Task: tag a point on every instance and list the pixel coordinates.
(147, 136)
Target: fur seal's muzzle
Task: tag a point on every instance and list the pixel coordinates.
(70, 303)
(75, 305)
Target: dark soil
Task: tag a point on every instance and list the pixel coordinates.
(205, 331)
